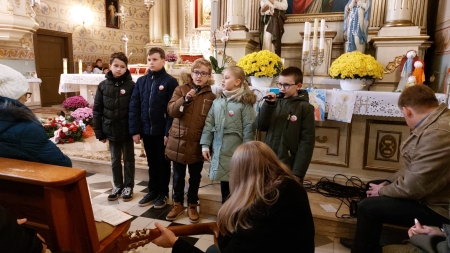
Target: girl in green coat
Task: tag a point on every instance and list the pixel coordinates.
(229, 124)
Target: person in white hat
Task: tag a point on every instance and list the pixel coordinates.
(22, 136)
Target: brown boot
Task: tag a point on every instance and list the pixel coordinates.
(177, 210)
(192, 213)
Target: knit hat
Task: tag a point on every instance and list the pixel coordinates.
(12, 83)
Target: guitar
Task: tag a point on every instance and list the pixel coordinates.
(132, 240)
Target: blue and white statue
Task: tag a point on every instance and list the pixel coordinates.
(356, 24)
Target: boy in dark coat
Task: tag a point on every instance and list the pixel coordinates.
(111, 122)
(150, 121)
(289, 122)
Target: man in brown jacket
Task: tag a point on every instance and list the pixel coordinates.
(422, 189)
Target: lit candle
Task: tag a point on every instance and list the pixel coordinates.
(65, 65)
(316, 29)
(322, 27)
(80, 66)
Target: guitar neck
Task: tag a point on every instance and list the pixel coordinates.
(132, 240)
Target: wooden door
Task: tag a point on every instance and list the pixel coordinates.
(50, 48)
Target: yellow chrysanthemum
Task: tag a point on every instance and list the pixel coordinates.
(261, 64)
(356, 65)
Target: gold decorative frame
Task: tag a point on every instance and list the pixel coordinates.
(373, 160)
(201, 13)
(301, 18)
(340, 156)
(391, 66)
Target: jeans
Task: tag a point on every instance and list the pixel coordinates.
(179, 173)
(126, 148)
(373, 212)
(158, 166)
(225, 190)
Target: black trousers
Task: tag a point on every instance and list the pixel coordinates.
(117, 148)
(179, 174)
(158, 166)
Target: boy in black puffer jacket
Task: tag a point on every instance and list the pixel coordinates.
(111, 122)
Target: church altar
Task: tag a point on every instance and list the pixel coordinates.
(73, 82)
(35, 99)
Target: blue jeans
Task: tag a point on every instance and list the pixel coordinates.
(373, 212)
(117, 148)
(158, 166)
(179, 173)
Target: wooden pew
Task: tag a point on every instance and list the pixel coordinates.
(55, 200)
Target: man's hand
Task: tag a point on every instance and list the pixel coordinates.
(374, 188)
(137, 138)
(166, 139)
(166, 239)
(207, 155)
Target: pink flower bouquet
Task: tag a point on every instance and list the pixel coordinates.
(171, 57)
(84, 114)
(75, 102)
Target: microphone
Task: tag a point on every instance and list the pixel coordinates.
(196, 89)
(279, 95)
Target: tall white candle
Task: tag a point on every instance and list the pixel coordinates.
(322, 26)
(316, 29)
(80, 66)
(322, 43)
(304, 44)
(65, 65)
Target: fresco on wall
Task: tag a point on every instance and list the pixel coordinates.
(111, 8)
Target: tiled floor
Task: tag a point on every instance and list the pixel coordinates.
(100, 186)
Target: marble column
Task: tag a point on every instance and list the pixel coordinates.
(173, 10)
(157, 18)
(252, 17)
(215, 14)
(235, 15)
(399, 13)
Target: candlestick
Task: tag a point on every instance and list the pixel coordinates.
(316, 29)
(65, 65)
(80, 66)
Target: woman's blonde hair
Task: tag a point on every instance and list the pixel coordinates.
(255, 173)
(238, 73)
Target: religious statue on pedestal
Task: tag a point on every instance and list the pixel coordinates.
(356, 24)
(272, 24)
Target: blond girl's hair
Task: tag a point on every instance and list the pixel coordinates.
(238, 73)
(255, 173)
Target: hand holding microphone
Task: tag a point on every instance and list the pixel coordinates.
(272, 97)
(192, 94)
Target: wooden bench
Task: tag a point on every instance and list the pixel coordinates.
(55, 200)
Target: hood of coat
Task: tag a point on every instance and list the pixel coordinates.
(302, 95)
(186, 78)
(247, 97)
(12, 111)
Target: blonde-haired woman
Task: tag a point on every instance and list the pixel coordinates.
(267, 211)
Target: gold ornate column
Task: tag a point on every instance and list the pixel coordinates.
(235, 15)
(399, 13)
(173, 13)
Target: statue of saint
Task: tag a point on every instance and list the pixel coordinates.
(272, 24)
(356, 24)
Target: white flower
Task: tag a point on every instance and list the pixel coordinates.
(224, 39)
(65, 129)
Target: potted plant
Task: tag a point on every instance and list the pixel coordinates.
(75, 102)
(218, 69)
(171, 58)
(354, 68)
(261, 66)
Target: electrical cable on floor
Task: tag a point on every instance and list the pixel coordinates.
(353, 191)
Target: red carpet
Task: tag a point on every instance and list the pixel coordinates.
(46, 110)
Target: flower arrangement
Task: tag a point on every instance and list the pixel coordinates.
(171, 57)
(213, 58)
(60, 131)
(354, 65)
(261, 64)
(75, 102)
(83, 114)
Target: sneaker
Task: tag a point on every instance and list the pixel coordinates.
(160, 202)
(115, 193)
(177, 210)
(127, 194)
(192, 213)
(148, 199)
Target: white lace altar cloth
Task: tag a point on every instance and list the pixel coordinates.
(373, 103)
(72, 82)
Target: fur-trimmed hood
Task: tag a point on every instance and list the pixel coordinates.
(13, 111)
(186, 79)
(247, 97)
